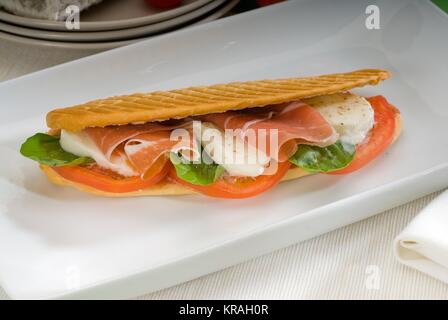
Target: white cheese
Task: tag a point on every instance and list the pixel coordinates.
(238, 157)
(350, 115)
(81, 145)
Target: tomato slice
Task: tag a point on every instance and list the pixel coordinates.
(381, 135)
(109, 181)
(237, 188)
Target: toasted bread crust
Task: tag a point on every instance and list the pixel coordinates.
(176, 104)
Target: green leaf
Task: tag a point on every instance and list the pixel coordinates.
(46, 149)
(201, 173)
(317, 159)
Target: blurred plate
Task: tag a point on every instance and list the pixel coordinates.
(105, 45)
(123, 34)
(110, 15)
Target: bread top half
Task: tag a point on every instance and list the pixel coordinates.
(182, 103)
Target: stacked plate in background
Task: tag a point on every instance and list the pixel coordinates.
(111, 23)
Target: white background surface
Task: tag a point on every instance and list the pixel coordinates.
(337, 265)
(340, 264)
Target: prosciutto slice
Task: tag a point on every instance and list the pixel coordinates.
(295, 122)
(140, 145)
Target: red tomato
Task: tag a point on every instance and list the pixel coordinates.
(380, 137)
(109, 181)
(164, 4)
(263, 3)
(237, 188)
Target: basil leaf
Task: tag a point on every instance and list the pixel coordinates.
(46, 149)
(327, 159)
(201, 174)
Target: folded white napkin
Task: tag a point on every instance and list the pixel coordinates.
(423, 245)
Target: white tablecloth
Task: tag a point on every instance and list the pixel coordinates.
(354, 262)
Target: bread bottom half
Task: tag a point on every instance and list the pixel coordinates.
(171, 188)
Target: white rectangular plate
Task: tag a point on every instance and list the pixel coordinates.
(57, 242)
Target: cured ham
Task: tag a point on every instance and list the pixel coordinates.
(295, 122)
(140, 145)
(135, 147)
(132, 149)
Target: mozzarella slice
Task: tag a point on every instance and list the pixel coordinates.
(238, 157)
(79, 143)
(350, 115)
